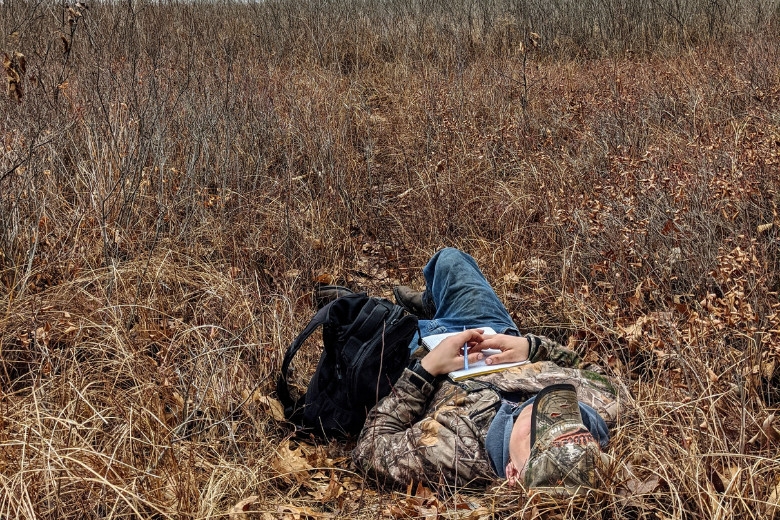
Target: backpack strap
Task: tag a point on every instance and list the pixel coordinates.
(282, 386)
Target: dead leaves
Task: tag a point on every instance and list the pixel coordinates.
(273, 406)
(268, 404)
(254, 504)
(298, 513)
(421, 502)
(291, 464)
(634, 490)
(329, 491)
(763, 228)
(238, 511)
(633, 332)
(643, 487)
(305, 464)
(15, 67)
(773, 502)
(767, 432)
(306, 467)
(320, 481)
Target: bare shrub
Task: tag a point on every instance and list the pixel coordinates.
(178, 175)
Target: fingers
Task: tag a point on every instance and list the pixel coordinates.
(508, 356)
(479, 347)
(470, 336)
(455, 343)
(512, 475)
(499, 342)
(475, 356)
(448, 355)
(513, 348)
(503, 357)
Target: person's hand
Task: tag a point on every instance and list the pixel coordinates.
(448, 355)
(513, 348)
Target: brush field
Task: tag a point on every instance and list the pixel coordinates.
(176, 177)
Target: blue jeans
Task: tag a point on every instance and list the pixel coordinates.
(462, 297)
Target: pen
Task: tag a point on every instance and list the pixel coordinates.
(465, 353)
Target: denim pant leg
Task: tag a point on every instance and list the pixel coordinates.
(462, 297)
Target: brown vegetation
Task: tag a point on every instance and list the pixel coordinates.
(174, 178)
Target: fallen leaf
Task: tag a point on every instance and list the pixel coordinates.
(330, 491)
(511, 278)
(633, 489)
(399, 510)
(644, 487)
(291, 464)
(238, 511)
(468, 508)
(324, 279)
(769, 431)
(301, 513)
(535, 265)
(423, 492)
(270, 404)
(421, 502)
(768, 369)
(773, 502)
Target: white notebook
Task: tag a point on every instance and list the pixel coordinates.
(475, 369)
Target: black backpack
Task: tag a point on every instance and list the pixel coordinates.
(366, 347)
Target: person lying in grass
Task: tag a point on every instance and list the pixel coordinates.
(541, 424)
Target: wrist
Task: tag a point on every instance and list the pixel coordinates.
(421, 374)
(425, 364)
(525, 348)
(533, 346)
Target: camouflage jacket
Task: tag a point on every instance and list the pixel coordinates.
(436, 434)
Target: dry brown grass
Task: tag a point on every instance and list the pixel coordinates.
(176, 177)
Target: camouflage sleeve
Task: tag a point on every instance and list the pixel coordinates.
(399, 444)
(386, 434)
(545, 349)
